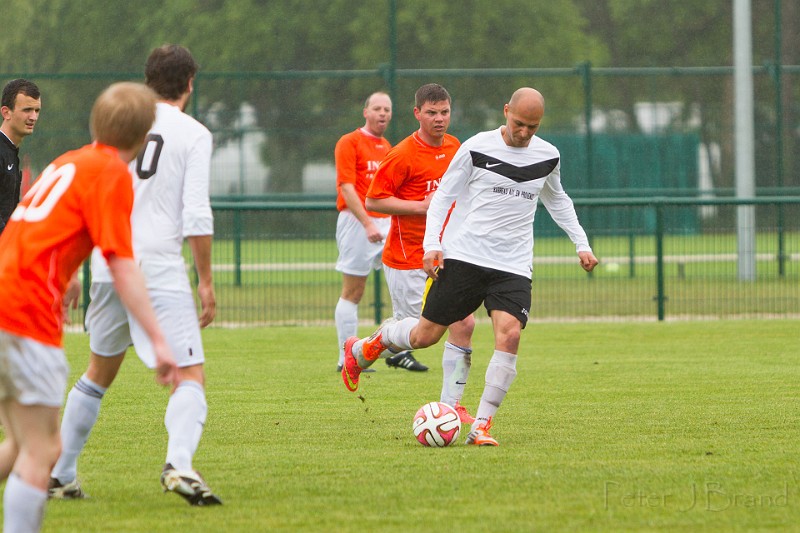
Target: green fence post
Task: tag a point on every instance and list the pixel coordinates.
(660, 297)
(779, 131)
(781, 244)
(87, 281)
(237, 247)
(631, 255)
(378, 297)
(586, 72)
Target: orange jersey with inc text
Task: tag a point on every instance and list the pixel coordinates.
(358, 155)
(411, 171)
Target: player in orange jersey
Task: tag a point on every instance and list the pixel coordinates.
(403, 187)
(83, 199)
(359, 233)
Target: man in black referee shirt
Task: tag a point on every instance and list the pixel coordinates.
(20, 108)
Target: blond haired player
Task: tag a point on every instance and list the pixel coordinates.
(82, 199)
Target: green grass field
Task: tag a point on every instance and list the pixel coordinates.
(682, 426)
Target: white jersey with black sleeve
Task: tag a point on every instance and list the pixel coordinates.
(496, 188)
(171, 198)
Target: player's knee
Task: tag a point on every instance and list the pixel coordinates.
(507, 332)
(422, 338)
(466, 326)
(43, 452)
(193, 373)
(102, 370)
(352, 296)
(508, 341)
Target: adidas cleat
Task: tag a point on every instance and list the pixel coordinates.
(405, 360)
(480, 435)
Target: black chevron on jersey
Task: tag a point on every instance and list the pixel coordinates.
(513, 172)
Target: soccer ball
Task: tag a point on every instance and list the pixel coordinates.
(436, 424)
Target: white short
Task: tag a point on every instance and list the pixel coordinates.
(358, 256)
(406, 288)
(32, 373)
(112, 330)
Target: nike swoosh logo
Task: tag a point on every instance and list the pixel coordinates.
(460, 383)
(492, 165)
(10, 166)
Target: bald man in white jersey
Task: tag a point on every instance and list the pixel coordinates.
(171, 202)
(485, 254)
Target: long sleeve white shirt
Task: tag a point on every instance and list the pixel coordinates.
(496, 188)
(171, 198)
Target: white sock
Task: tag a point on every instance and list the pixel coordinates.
(499, 375)
(23, 506)
(346, 318)
(185, 418)
(399, 333)
(80, 416)
(456, 362)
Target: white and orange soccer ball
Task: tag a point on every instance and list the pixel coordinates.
(436, 424)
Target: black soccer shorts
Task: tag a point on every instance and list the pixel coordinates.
(462, 287)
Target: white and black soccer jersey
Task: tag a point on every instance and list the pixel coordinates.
(171, 198)
(496, 188)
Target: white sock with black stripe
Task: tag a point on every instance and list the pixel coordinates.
(80, 415)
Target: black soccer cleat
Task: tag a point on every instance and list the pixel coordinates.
(188, 484)
(405, 360)
(70, 491)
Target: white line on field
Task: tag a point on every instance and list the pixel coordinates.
(545, 260)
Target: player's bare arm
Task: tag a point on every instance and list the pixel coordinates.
(201, 251)
(397, 206)
(71, 296)
(353, 202)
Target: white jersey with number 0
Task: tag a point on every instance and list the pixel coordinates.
(496, 188)
(171, 199)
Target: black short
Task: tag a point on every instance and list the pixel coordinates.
(462, 287)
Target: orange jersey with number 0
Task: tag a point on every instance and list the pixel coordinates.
(82, 199)
(411, 171)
